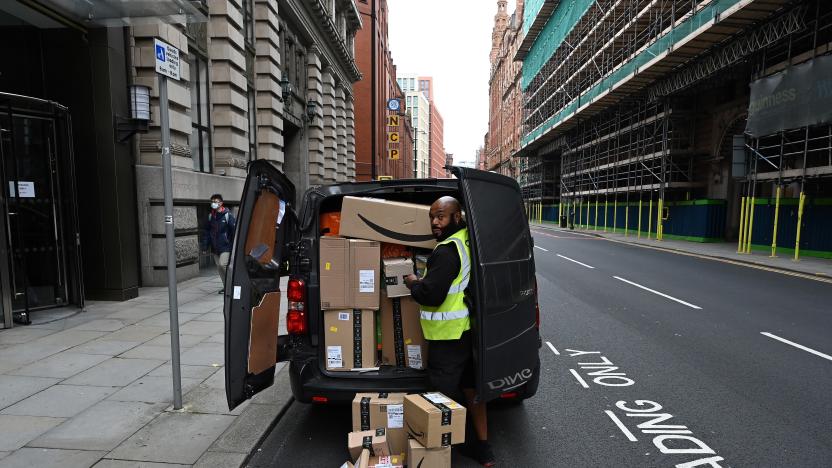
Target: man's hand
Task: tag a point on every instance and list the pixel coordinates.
(409, 280)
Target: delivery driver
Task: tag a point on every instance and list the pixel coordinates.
(445, 319)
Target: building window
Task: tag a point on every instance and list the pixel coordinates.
(200, 115)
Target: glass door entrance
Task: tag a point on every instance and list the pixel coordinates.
(34, 210)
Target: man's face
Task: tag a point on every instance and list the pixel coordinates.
(443, 217)
(216, 203)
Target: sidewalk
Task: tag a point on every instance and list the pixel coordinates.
(722, 250)
(94, 388)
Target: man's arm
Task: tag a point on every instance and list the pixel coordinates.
(443, 267)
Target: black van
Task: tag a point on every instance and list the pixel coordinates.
(275, 237)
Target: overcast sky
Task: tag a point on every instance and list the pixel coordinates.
(449, 40)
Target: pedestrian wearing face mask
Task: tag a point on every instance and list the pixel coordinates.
(218, 235)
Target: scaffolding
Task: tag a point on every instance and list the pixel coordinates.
(538, 179)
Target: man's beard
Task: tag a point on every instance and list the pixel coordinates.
(450, 229)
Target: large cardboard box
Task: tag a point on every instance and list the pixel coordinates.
(402, 341)
(419, 456)
(374, 410)
(374, 440)
(350, 273)
(395, 270)
(387, 221)
(365, 268)
(334, 256)
(434, 419)
(350, 339)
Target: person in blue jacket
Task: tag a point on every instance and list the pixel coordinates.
(218, 235)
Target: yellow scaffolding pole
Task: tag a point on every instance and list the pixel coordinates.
(741, 235)
(799, 226)
(560, 212)
(750, 226)
(580, 204)
(659, 219)
(626, 219)
(540, 218)
(587, 212)
(614, 214)
(595, 221)
(650, 218)
(776, 218)
(639, 216)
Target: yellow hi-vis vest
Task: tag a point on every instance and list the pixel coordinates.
(450, 319)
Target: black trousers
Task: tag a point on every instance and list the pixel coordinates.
(451, 366)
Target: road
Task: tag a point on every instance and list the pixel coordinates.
(650, 359)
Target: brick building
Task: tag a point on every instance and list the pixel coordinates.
(372, 53)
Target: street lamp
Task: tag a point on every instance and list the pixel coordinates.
(286, 88)
(139, 113)
(311, 107)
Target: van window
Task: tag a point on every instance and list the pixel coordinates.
(501, 223)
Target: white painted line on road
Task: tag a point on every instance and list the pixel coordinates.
(572, 260)
(657, 292)
(629, 435)
(579, 378)
(799, 346)
(552, 347)
(541, 248)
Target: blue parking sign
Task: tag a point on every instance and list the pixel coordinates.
(160, 53)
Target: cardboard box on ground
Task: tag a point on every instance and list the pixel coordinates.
(349, 273)
(403, 343)
(434, 419)
(350, 339)
(419, 456)
(374, 440)
(387, 221)
(385, 410)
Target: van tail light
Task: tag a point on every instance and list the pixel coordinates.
(320, 399)
(536, 305)
(508, 395)
(296, 319)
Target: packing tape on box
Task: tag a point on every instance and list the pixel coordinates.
(356, 339)
(365, 413)
(446, 415)
(398, 332)
(367, 443)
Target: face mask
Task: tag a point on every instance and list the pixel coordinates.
(214, 206)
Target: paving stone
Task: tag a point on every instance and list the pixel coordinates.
(101, 427)
(115, 372)
(4, 455)
(60, 366)
(221, 460)
(242, 436)
(163, 320)
(185, 341)
(211, 317)
(105, 325)
(191, 372)
(106, 463)
(40, 457)
(19, 355)
(106, 347)
(204, 354)
(153, 389)
(136, 333)
(17, 431)
(60, 401)
(174, 438)
(145, 351)
(68, 338)
(209, 400)
(217, 380)
(196, 327)
(200, 306)
(20, 335)
(218, 338)
(135, 314)
(14, 388)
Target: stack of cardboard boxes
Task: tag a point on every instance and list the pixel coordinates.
(355, 283)
(396, 430)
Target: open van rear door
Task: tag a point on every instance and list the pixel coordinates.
(503, 282)
(266, 225)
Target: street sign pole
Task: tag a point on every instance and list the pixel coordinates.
(167, 64)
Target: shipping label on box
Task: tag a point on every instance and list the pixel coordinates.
(402, 341)
(374, 440)
(387, 221)
(395, 270)
(434, 419)
(350, 339)
(374, 410)
(393, 461)
(418, 455)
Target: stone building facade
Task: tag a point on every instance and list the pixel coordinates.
(505, 94)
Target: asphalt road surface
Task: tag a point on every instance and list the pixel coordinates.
(650, 359)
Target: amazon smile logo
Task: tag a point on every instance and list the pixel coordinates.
(396, 235)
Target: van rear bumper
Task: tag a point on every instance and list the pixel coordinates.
(308, 381)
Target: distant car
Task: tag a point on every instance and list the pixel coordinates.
(503, 290)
